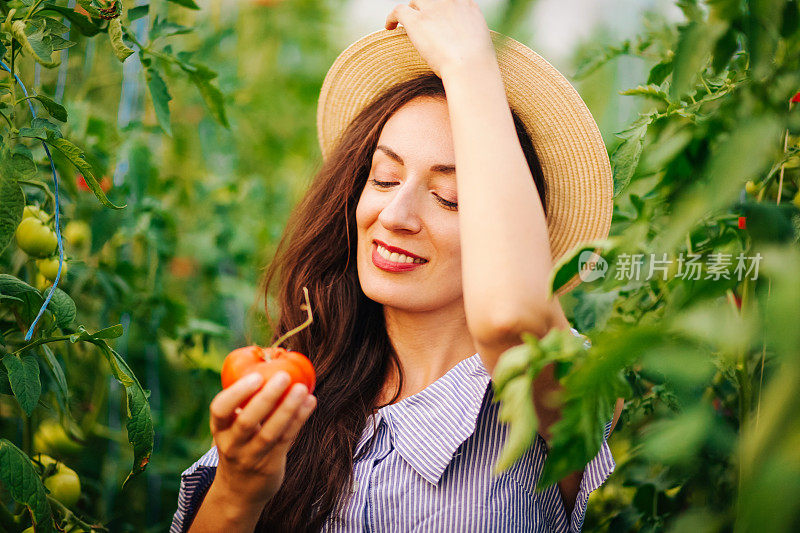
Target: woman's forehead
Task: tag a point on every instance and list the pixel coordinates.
(419, 131)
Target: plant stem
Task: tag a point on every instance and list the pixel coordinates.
(309, 320)
(8, 120)
(37, 342)
(31, 10)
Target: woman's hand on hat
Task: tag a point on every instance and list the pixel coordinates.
(446, 33)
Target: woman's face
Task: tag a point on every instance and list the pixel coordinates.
(407, 203)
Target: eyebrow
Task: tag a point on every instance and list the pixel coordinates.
(441, 169)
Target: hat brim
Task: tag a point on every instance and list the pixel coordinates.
(565, 136)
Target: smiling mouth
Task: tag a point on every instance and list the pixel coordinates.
(398, 258)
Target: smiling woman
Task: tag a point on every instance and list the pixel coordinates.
(424, 244)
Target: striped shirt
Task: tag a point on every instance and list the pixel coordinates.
(428, 469)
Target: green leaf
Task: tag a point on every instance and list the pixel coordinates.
(111, 332)
(140, 421)
(201, 76)
(572, 261)
(695, 43)
(512, 363)
(516, 408)
(62, 307)
(17, 162)
(54, 26)
(37, 47)
(21, 479)
(50, 127)
(140, 429)
(59, 43)
(58, 376)
(79, 21)
(675, 441)
(23, 374)
(186, 3)
(660, 72)
(5, 385)
(115, 35)
(166, 28)
(31, 298)
(593, 309)
(77, 158)
(12, 202)
(161, 97)
(55, 109)
(625, 157)
(138, 12)
(652, 91)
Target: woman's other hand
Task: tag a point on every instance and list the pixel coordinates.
(252, 442)
(446, 33)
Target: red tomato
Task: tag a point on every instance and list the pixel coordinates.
(105, 183)
(267, 362)
(796, 98)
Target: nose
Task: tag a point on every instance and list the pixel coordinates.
(401, 213)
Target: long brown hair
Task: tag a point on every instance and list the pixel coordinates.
(347, 342)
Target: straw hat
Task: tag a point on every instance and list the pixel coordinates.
(565, 136)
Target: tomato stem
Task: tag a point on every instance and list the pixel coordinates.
(309, 320)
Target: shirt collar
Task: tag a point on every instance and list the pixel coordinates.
(428, 427)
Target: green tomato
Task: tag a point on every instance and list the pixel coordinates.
(64, 485)
(29, 530)
(751, 188)
(796, 200)
(78, 233)
(31, 211)
(34, 238)
(49, 268)
(50, 437)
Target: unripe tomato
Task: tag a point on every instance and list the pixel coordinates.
(34, 238)
(28, 530)
(49, 268)
(34, 212)
(41, 282)
(751, 188)
(796, 200)
(267, 362)
(78, 233)
(64, 485)
(50, 437)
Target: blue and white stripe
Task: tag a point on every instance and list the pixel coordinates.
(429, 466)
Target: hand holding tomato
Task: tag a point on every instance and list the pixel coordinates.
(252, 444)
(254, 426)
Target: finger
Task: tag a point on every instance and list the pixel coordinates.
(305, 410)
(273, 429)
(249, 420)
(403, 14)
(224, 404)
(285, 441)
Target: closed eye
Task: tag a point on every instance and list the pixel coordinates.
(453, 206)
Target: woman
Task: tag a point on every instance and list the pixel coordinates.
(420, 279)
